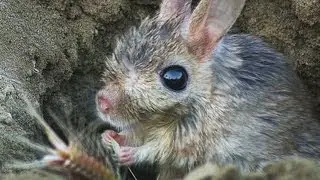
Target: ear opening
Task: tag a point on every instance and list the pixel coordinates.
(208, 24)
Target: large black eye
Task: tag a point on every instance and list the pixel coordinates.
(174, 77)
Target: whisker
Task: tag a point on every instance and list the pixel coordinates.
(134, 177)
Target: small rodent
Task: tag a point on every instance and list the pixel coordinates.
(184, 92)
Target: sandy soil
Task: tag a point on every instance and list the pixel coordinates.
(53, 51)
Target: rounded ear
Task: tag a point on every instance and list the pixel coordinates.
(209, 22)
(170, 9)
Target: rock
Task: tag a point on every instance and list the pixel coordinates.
(289, 168)
(298, 38)
(307, 11)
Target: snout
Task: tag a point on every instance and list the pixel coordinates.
(107, 100)
(104, 104)
(109, 104)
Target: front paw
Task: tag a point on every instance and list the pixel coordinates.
(110, 134)
(126, 155)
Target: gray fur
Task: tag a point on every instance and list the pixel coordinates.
(244, 105)
(269, 112)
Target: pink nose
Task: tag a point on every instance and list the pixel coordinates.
(104, 104)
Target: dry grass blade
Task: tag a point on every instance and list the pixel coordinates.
(69, 158)
(53, 137)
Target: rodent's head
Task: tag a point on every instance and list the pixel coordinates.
(162, 68)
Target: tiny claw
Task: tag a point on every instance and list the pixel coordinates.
(126, 155)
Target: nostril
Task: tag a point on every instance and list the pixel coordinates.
(104, 104)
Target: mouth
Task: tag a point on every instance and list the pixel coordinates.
(126, 128)
(119, 124)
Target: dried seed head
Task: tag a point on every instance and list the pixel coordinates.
(84, 156)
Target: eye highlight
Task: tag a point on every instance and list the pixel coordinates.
(174, 78)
